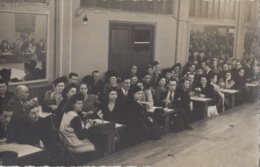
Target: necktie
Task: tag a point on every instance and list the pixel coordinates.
(171, 97)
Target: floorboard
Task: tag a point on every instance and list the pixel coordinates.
(230, 139)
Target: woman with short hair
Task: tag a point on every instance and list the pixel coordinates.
(75, 133)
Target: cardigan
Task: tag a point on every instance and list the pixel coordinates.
(72, 129)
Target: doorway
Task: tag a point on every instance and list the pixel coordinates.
(130, 44)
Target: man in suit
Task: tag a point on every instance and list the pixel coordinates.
(123, 91)
(5, 95)
(22, 95)
(73, 78)
(6, 114)
(208, 70)
(96, 85)
(167, 99)
(168, 96)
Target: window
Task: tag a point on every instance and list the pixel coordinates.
(146, 6)
(218, 9)
(142, 40)
(37, 1)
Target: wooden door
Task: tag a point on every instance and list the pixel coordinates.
(130, 44)
(142, 50)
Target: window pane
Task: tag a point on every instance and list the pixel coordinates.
(127, 5)
(139, 5)
(142, 47)
(119, 41)
(115, 4)
(158, 6)
(142, 35)
(168, 6)
(149, 6)
(102, 3)
(88, 3)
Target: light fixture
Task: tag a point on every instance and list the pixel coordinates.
(85, 19)
(80, 12)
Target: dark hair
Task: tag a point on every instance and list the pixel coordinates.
(176, 65)
(3, 81)
(125, 78)
(82, 83)
(132, 91)
(168, 70)
(211, 75)
(72, 101)
(5, 107)
(95, 71)
(108, 91)
(204, 76)
(72, 74)
(67, 89)
(155, 63)
(172, 79)
(182, 81)
(109, 74)
(60, 80)
(241, 68)
(145, 74)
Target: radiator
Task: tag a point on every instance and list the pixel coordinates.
(39, 91)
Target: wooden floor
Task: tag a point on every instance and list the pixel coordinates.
(230, 139)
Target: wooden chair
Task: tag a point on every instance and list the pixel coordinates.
(65, 157)
(137, 130)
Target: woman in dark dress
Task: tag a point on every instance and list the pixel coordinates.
(111, 110)
(240, 84)
(5, 95)
(138, 110)
(32, 129)
(206, 90)
(66, 93)
(89, 102)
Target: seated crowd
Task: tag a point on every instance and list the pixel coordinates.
(125, 100)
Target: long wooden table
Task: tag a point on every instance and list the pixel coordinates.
(25, 152)
(232, 93)
(111, 134)
(254, 88)
(204, 101)
(167, 113)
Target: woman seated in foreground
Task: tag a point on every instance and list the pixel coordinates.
(135, 107)
(75, 132)
(206, 90)
(111, 110)
(33, 130)
(89, 101)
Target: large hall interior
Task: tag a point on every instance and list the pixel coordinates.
(156, 83)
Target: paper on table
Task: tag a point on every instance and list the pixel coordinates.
(21, 149)
(153, 108)
(99, 121)
(42, 113)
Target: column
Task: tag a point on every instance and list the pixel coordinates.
(182, 41)
(63, 37)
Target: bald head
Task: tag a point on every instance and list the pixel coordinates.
(22, 92)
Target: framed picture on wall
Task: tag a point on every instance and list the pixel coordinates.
(24, 41)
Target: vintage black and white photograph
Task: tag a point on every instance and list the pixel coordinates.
(153, 83)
